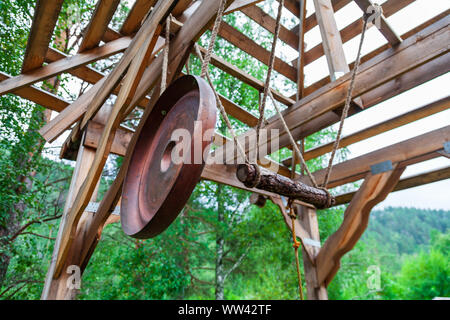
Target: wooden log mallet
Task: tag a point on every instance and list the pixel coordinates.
(253, 176)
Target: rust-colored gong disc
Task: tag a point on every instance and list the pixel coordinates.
(156, 188)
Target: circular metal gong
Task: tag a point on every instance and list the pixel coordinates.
(158, 184)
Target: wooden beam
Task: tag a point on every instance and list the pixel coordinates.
(246, 78)
(425, 46)
(96, 28)
(404, 152)
(85, 159)
(308, 220)
(396, 122)
(89, 74)
(267, 22)
(249, 46)
(374, 189)
(39, 96)
(63, 65)
(385, 28)
(200, 18)
(44, 20)
(134, 58)
(322, 82)
(137, 13)
(331, 39)
(240, 5)
(311, 20)
(75, 111)
(332, 42)
(407, 183)
(352, 30)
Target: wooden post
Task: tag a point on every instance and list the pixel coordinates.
(332, 42)
(308, 220)
(57, 288)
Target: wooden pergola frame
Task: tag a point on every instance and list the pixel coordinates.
(405, 62)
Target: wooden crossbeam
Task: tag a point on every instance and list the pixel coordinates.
(44, 21)
(249, 46)
(137, 13)
(63, 65)
(352, 30)
(267, 22)
(374, 189)
(39, 96)
(405, 152)
(331, 39)
(322, 82)
(240, 4)
(396, 122)
(385, 28)
(189, 33)
(246, 78)
(425, 46)
(332, 42)
(89, 74)
(407, 183)
(133, 58)
(94, 31)
(311, 21)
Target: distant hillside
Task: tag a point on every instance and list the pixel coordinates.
(405, 230)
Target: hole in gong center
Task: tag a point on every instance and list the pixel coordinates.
(167, 156)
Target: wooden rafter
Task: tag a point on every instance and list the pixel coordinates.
(267, 22)
(39, 96)
(406, 152)
(64, 65)
(249, 46)
(311, 21)
(246, 78)
(332, 42)
(137, 13)
(102, 15)
(401, 120)
(134, 57)
(425, 46)
(385, 28)
(44, 21)
(241, 4)
(407, 183)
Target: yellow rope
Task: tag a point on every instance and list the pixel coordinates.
(296, 245)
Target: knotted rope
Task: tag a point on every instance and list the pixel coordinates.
(296, 245)
(347, 102)
(165, 65)
(267, 90)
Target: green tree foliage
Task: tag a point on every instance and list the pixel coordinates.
(219, 244)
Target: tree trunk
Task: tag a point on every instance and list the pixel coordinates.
(220, 242)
